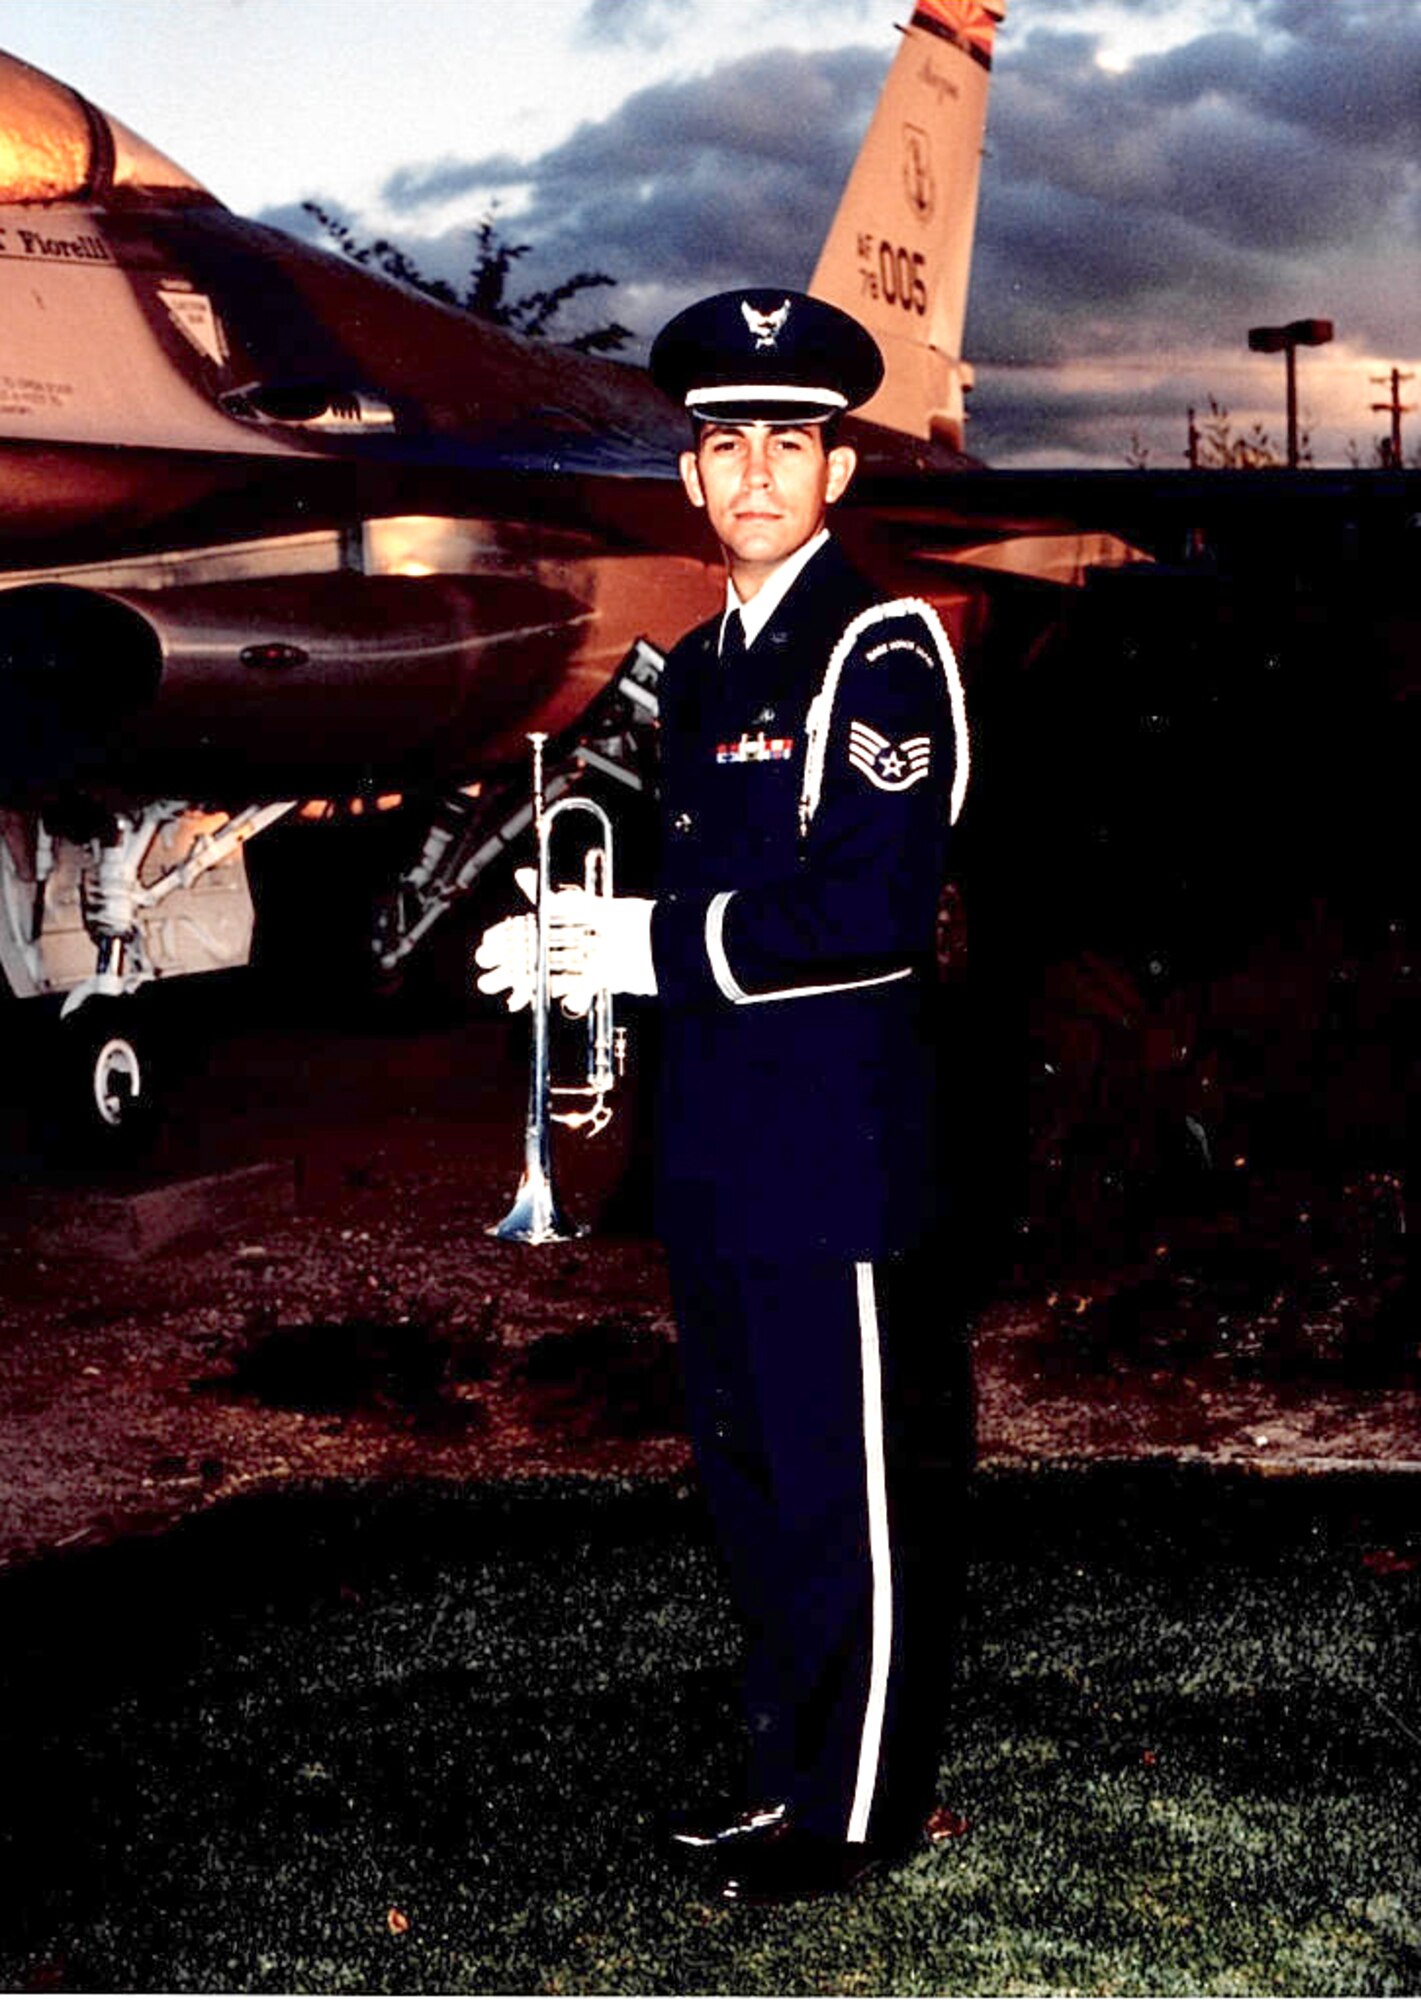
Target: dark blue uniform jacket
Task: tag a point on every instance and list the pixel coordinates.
(806, 795)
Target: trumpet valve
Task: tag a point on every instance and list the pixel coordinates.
(593, 1120)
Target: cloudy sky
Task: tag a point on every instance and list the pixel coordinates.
(1160, 174)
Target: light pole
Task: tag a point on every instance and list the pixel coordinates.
(1396, 410)
(1288, 339)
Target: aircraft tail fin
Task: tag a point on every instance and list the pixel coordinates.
(899, 252)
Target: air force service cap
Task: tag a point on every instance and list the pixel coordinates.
(765, 356)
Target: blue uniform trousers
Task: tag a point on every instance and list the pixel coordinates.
(837, 1503)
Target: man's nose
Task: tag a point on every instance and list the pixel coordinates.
(757, 466)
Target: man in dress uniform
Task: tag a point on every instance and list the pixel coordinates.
(813, 754)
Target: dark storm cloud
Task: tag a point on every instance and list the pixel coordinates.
(1194, 140)
(775, 107)
(411, 188)
(296, 221)
(1016, 413)
(1265, 173)
(1227, 180)
(717, 180)
(1055, 276)
(1214, 183)
(1352, 77)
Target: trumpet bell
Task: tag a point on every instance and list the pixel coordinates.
(536, 1215)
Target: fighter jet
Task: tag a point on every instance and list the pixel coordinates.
(276, 530)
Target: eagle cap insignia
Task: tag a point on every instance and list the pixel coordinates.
(766, 326)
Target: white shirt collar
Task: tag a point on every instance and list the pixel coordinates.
(757, 613)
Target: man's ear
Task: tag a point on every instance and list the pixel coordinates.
(691, 479)
(843, 463)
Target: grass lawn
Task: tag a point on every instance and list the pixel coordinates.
(419, 1740)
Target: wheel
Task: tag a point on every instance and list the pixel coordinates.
(98, 1102)
(116, 1080)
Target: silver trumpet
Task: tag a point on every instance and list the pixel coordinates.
(537, 1215)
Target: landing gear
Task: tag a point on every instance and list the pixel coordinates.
(97, 907)
(470, 831)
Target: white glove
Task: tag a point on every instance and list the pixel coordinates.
(508, 951)
(598, 943)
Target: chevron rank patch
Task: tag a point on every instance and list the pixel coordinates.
(893, 767)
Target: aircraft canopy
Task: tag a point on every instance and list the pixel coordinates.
(55, 146)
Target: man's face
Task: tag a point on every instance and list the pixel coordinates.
(765, 489)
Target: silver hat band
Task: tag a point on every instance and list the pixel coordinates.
(767, 392)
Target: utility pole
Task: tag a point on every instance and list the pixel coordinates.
(1287, 340)
(1396, 410)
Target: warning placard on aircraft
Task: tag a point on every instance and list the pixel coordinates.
(193, 314)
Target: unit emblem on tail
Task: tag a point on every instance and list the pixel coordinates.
(918, 172)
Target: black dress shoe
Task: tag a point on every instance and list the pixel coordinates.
(792, 1866)
(725, 1827)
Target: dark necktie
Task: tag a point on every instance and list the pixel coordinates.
(732, 639)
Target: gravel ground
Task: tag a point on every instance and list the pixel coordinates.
(361, 1325)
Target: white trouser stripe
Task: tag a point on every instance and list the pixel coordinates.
(871, 1741)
